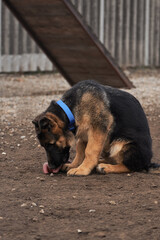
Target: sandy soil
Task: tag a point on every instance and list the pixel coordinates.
(37, 206)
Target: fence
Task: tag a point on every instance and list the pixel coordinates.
(130, 30)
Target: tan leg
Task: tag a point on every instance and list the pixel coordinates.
(109, 168)
(80, 154)
(117, 151)
(92, 153)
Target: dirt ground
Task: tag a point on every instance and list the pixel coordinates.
(43, 207)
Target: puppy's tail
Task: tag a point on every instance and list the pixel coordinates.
(154, 168)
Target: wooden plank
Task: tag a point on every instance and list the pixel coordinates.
(106, 81)
(74, 45)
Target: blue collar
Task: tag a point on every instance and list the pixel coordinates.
(68, 113)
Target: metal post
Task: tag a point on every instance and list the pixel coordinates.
(147, 16)
(101, 25)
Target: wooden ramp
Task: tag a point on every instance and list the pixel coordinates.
(72, 47)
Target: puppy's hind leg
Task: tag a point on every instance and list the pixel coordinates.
(118, 150)
(109, 168)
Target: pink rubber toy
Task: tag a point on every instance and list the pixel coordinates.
(47, 170)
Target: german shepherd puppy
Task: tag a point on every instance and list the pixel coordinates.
(111, 131)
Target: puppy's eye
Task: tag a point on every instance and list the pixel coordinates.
(49, 128)
(44, 127)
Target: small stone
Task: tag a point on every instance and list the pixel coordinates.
(34, 204)
(4, 153)
(154, 186)
(149, 208)
(18, 145)
(41, 206)
(35, 219)
(42, 179)
(79, 230)
(155, 202)
(51, 175)
(128, 175)
(100, 234)
(24, 205)
(155, 227)
(22, 137)
(1, 218)
(13, 189)
(112, 202)
(92, 210)
(41, 211)
(38, 238)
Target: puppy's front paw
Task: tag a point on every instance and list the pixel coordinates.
(78, 172)
(66, 167)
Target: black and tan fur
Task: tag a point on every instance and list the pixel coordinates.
(111, 131)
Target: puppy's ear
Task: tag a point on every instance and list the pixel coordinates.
(35, 123)
(55, 121)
